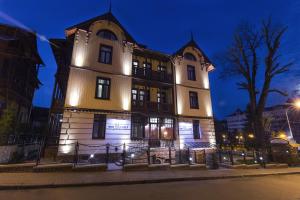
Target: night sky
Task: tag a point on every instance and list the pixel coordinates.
(164, 26)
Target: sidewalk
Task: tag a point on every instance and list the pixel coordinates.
(11, 181)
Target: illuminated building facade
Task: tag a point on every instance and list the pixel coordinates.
(111, 89)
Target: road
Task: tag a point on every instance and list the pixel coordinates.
(271, 187)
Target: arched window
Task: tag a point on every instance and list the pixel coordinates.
(189, 56)
(107, 34)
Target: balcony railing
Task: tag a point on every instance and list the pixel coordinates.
(152, 107)
(152, 75)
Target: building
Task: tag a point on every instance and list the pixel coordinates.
(110, 89)
(237, 121)
(277, 117)
(19, 67)
(39, 120)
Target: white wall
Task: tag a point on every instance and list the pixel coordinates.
(78, 127)
(207, 133)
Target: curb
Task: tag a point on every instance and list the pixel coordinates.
(134, 182)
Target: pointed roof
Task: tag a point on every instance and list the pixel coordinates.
(191, 43)
(106, 16)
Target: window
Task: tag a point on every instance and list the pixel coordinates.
(162, 96)
(103, 88)
(189, 56)
(137, 127)
(162, 72)
(99, 126)
(134, 96)
(166, 129)
(196, 129)
(194, 100)
(147, 68)
(141, 97)
(191, 74)
(135, 65)
(161, 68)
(105, 54)
(107, 34)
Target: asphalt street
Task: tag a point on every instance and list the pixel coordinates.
(283, 187)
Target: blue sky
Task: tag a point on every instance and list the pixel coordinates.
(165, 26)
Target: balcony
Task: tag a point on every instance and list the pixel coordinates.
(149, 74)
(152, 107)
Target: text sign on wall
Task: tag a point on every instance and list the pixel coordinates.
(117, 124)
(185, 126)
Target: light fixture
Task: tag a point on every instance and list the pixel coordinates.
(297, 103)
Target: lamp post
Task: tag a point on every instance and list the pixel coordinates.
(295, 104)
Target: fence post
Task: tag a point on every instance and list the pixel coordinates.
(188, 153)
(263, 159)
(124, 154)
(148, 155)
(107, 154)
(204, 156)
(195, 155)
(39, 153)
(170, 156)
(180, 161)
(220, 155)
(75, 161)
(231, 157)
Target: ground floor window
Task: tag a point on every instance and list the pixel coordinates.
(196, 129)
(137, 127)
(99, 126)
(153, 128)
(167, 129)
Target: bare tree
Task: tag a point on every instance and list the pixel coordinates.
(256, 50)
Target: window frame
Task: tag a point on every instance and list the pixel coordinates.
(147, 67)
(137, 121)
(190, 57)
(100, 53)
(109, 87)
(196, 132)
(191, 68)
(194, 106)
(107, 31)
(100, 119)
(135, 67)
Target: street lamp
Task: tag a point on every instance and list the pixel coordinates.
(295, 104)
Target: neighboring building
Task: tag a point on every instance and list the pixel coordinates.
(277, 117)
(237, 121)
(39, 120)
(111, 89)
(19, 67)
(62, 50)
